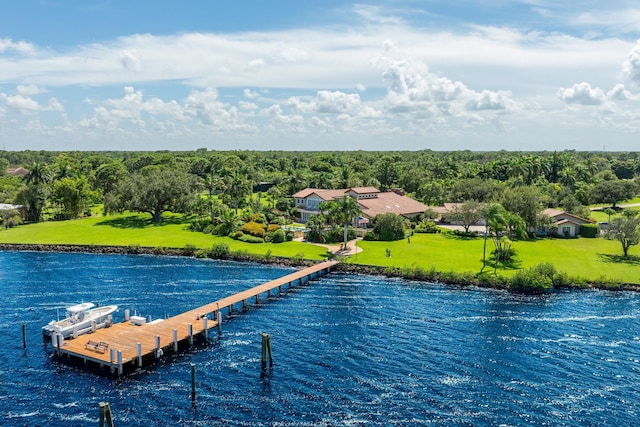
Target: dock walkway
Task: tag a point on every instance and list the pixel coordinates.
(126, 344)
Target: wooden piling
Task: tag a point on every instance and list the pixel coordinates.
(106, 419)
(193, 382)
(219, 319)
(24, 336)
(157, 348)
(266, 351)
(120, 367)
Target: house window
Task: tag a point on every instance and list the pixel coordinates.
(566, 230)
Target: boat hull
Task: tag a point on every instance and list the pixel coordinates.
(95, 318)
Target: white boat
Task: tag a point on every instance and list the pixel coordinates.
(81, 319)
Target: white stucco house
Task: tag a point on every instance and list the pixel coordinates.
(568, 224)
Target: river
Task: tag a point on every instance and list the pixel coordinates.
(349, 350)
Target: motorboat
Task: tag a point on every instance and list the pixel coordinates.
(81, 319)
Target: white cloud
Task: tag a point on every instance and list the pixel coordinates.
(6, 45)
(412, 88)
(582, 94)
(130, 59)
(619, 93)
(29, 90)
(631, 67)
(328, 102)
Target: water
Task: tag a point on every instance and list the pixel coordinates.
(349, 350)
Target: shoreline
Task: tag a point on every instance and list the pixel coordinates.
(412, 274)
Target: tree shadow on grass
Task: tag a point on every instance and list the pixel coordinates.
(620, 259)
(142, 221)
(462, 236)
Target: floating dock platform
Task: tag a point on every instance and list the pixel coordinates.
(135, 343)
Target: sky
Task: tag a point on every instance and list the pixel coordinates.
(480, 75)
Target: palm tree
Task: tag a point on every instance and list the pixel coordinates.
(342, 211)
(316, 224)
(236, 185)
(493, 216)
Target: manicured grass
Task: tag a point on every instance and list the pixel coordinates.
(586, 258)
(126, 230)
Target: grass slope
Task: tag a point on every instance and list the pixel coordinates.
(586, 258)
(125, 230)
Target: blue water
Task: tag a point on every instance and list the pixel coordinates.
(349, 350)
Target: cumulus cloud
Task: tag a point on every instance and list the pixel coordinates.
(331, 102)
(26, 105)
(631, 67)
(412, 88)
(582, 94)
(6, 45)
(619, 93)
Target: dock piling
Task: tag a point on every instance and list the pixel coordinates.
(24, 336)
(139, 354)
(266, 351)
(190, 333)
(175, 340)
(106, 419)
(120, 363)
(205, 325)
(219, 319)
(158, 349)
(193, 382)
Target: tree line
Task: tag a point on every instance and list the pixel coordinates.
(219, 184)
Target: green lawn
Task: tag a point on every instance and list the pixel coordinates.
(125, 230)
(586, 258)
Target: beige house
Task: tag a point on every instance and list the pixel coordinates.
(568, 224)
(372, 202)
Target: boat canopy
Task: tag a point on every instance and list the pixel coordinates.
(79, 308)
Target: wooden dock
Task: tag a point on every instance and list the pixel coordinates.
(125, 346)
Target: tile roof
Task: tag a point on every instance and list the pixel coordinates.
(391, 202)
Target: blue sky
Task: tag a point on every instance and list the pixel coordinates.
(330, 75)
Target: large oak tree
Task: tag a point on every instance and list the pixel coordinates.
(154, 190)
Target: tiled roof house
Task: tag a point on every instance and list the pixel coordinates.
(372, 201)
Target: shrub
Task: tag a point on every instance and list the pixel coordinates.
(254, 229)
(10, 218)
(272, 227)
(201, 224)
(465, 234)
(236, 235)
(278, 236)
(537, 279)
(589, 230)
(427, 227)
(529, 282)
(389, 227)
(248, 238)
(220, 250)
(189, 249)
(289, 236)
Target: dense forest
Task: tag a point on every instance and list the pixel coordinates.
(224, 185)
